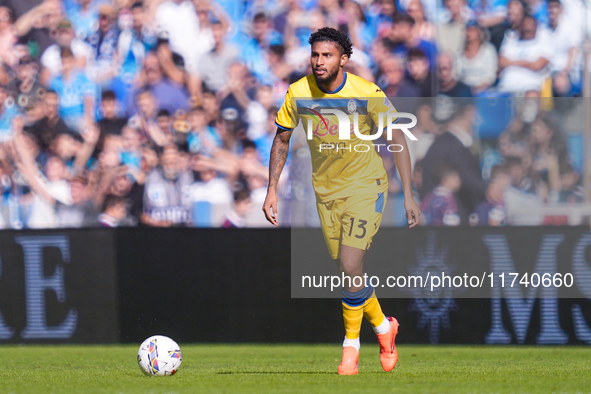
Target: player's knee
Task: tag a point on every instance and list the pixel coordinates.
(350, 267)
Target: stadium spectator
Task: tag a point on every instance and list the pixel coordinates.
(25, 88)
(257, 111)
(130, 50)
(104, 39)
(145, 120)
(235, 93)
(511, 26)
(521, 193)
(439, 207)
(254, 49)
(231, 130)
(450, 33)
(178, 22)
(236, 218)
(549, 153)
(143, 31)
(202, 138)
(170, 95)
(478, 62)
(166, 194)
(211, 194)
(81, 211)
(491, 211)
(51, 124)
(419, 72)
(114, 211)
(172, 64)
(36, 26)
(422, 28)
(523, 61)
(209, 186)
(165, 121)
(65, 38)
(453, 137)
(47, 189)
(288, 10)
(380, 50)
(564, 39)
(282, 69)
(84, 17)
(295, 24)
(125, 182)
(76, 149)
(213, 66)
(75, 91)
(448, 84)
(110, 122)
(518, 169)
(570, 189)
(211, 105)
(401, 33)
(393, 82)
(353, 21)
(130, 152)
(208, 14)
(251, 168)
(381, 15)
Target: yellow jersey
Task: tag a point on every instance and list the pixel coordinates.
(340, 167)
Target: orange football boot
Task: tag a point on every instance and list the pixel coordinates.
(349, 363)
(388, 353)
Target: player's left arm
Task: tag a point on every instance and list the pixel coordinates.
(404, 167)
(379, 103)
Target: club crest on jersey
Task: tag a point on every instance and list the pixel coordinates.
(352, 106)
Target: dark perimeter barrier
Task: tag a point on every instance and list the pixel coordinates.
(226, 285)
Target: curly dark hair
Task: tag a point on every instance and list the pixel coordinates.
(336, 36)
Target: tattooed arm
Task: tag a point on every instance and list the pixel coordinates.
(279, 152)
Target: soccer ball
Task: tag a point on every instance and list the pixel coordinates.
(159, 356)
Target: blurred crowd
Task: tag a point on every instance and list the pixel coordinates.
(508, 179)
(161, 112)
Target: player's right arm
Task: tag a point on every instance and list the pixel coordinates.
(279, 152)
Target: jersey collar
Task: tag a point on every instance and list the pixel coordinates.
(337, 89)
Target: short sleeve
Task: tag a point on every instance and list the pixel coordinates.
(378, 104)
(285, 117)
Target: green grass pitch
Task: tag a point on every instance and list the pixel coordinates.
(297, 368)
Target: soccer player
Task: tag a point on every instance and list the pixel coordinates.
(350, 186)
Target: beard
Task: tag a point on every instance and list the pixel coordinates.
(327, 78)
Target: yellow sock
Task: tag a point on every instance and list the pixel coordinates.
(354, 305)
(372, 311)
(352, 316)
